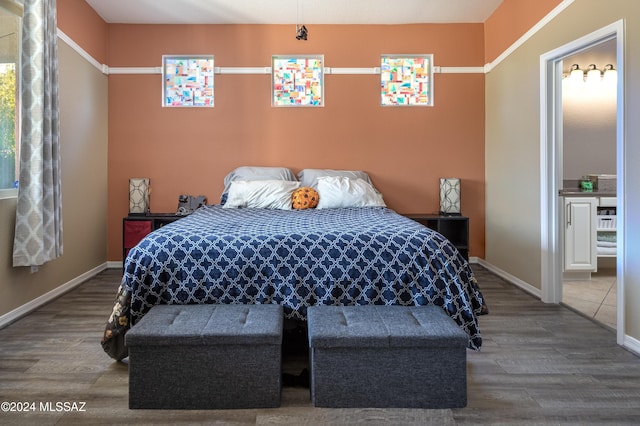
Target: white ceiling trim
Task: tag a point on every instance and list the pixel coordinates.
(526, 36)
(80, 51)
(267, 70)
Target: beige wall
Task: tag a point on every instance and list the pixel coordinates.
(83, 116)
(513, 147)
(589, 129)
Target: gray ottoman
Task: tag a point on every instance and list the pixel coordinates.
(386, 356)
(206, 356)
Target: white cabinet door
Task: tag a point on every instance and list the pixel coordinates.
(580, 253)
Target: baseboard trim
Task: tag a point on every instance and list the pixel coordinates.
(631, 344)
(511, 279)
(113, 264)
(39, 301)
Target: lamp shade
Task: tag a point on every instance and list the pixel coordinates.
(139, 195)
(449, 195)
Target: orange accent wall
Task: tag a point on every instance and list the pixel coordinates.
(84, 26)
(510, 21)
(189, 151)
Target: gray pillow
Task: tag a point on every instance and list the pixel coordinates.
(309, 177)
(256, 173)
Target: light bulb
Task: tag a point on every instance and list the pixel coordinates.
(610, 74)
(594, 74)
(577, 75)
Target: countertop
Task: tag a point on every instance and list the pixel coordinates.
(576, 192)
(572, 189)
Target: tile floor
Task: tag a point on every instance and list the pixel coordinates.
(595, 298)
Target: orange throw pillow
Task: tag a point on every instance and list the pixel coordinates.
(304, 198)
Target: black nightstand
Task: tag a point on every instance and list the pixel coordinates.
(455, 228)
(135, 227)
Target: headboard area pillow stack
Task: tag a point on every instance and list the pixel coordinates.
(274, 188)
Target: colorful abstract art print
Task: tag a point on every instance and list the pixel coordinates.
(297, 81)
(406, 80)
(187, 81)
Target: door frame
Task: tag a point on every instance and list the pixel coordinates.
(551, 164)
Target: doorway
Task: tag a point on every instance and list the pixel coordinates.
(589, 147)
(551, 180)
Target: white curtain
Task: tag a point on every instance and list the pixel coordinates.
(38, 233)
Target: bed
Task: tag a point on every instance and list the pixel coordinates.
(344, 255)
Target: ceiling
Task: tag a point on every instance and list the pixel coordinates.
(293, 11)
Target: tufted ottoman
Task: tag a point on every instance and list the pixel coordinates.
(386, 356)
(206, 356)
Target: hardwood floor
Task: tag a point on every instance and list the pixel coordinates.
(540, 365)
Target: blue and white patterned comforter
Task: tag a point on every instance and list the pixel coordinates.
(296, 259)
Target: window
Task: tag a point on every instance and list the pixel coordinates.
(188, 81)
(10, 28)
(297, 81)
(406, 80)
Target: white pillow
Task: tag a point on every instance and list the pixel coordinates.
(341, 191)
(262, 194)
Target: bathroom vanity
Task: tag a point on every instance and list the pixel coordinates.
(589, 223)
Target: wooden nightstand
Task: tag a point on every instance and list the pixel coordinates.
(135, 227)
(455, 228)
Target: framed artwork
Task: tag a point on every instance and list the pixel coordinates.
(187, 81)
(297, 81)
(406, 80)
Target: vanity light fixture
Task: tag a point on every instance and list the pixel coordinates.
(593, 74)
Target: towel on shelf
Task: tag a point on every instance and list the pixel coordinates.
(606, 244)
(608, 251)
(607, 236)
